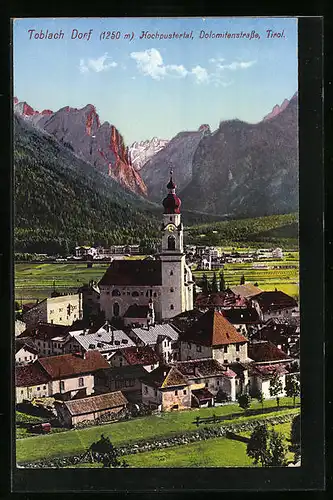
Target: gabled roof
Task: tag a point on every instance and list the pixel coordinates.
(149, 336)
(164, 377)
(140, 355)
(45, 331)
(30, 375)
(204, 367)
(246, 291)
(105, 339)
(26, 344)
(96, 403)
(137, 311)
(67, 365)
(272, 301)
(263, 351)
(133, 273)
(185, 319)
(212, 329)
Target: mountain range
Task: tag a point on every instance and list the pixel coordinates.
(240, 169)
(140, 152)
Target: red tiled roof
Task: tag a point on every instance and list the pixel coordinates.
(96, 403)
(133, 272)
(212, 329)
(30, 375)
(263, 351)
(140, 355)
(271, 301)
(67, 365)
(267, 371)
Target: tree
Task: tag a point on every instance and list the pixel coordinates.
(276, 388)
(244, 401)
(222, 282)
(242, 280)
(266, 447)
(295, 437)
(104, 452)
(214, 284)
(261, 398)
(293, 387)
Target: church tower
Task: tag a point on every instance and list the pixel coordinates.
(177, 283)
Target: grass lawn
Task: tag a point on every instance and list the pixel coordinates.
(217, 452)
(77, 441)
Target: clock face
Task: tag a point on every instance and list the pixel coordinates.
(170, 228)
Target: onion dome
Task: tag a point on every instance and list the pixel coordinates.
(171, 202)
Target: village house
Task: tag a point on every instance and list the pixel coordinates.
(281, 334)
(166, 389)
(219, 301)
(47, 338)
(162, 338)
(63, 377)
(25, 352)
(246, 291)
(71, 413)
(207, 378)
(123, 378)
(106, 340)
(212, 336)
(268, 360)
(62, 310)
(166, 278)
(245, 319)
(131, 356)
(270, 304)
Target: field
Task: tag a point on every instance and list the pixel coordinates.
(217, 452)
(77, 441)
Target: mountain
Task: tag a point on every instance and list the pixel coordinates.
(140, 152)
(277, 109)
(99, 144)
(61, 200)
(177, 155)
(247, 169)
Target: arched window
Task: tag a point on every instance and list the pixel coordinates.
(171, 272)
(135, 294)
(115, 293)
(171, 307)
(171, 289)
(116, 309)
(171, 243)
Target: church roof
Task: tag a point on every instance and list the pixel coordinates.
(133, 273)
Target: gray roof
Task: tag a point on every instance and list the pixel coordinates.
(149, 337)
(102, 340)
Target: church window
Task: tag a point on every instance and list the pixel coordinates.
(171, 272)
(171, 307)
(135, 294)
(155, 294)
(116, 309)
(115, 293)
(171, 290)
(170, 219)
(171, 243)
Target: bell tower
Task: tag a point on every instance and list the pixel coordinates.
(175, 272)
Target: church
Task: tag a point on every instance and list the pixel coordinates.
(156, 289)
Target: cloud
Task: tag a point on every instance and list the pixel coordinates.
(97, 65)
(150, 63)
(200, 74)
(236, 65)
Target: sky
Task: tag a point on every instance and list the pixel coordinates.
(156, 87)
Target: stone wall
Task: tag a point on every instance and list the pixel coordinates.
(167, 442)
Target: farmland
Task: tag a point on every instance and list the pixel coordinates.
(166, 424)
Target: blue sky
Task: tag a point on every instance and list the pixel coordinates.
(157, 87)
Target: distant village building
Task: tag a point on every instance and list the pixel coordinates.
(212, 336)
(277, 253)
(166, 280)
(25, 352)
(166, 389)
(62, 376)
(62, 310)
(162, 338)
(71, 413)
(245, 291)
(270, 304)
(136, 356)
